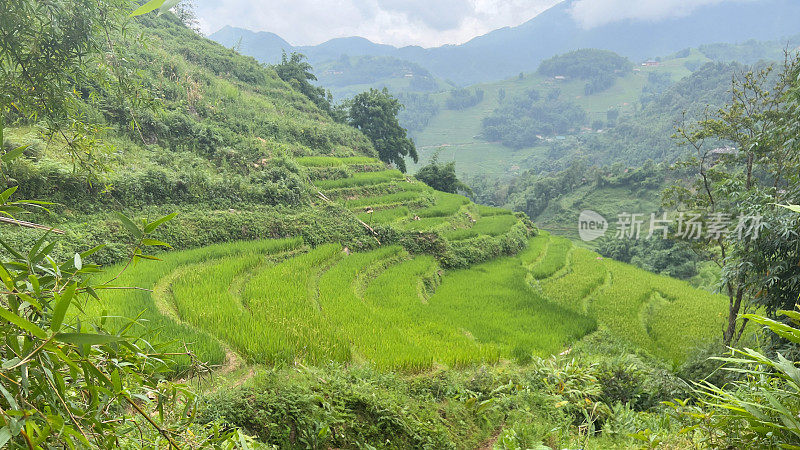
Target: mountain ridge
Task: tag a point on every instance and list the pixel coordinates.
(507, 51)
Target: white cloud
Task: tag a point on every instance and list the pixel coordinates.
(594, 13)
(398, 22)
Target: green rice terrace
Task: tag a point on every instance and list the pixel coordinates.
(280, 301)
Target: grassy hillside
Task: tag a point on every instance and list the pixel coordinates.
(456, 134)
(216, 141)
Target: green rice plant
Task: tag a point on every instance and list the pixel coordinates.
(414, 335)
(291, 323)
(488, 211)
(490, 226)
(350, 193)
(384, 216)
(399, 312)
(319, 161)
(424, 224)
(493, 303)
(664, 315)
(555, 258)
(163, 323)
(535, 249)
(361, 161)
(388, 199)
(330, 161)
(444, 205)
(362, 179)
(587, 273)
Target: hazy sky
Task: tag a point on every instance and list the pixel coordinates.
(427, 23)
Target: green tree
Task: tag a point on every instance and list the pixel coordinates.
(375, 113)
(442, 176)
(745, 160)
(295, 70)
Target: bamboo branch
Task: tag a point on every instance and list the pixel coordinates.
(24, 224)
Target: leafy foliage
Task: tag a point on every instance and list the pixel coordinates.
(441, 176)
(60, 376)
(298, 73)
(464, 98)
(599, 67)
(375, 114)
(520, 122)
(761, 408)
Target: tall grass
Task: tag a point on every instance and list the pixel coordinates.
(361, 179)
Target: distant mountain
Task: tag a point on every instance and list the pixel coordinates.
(263, 46)
(508, 51)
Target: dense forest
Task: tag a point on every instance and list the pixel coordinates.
(598, 68)
(522, 121)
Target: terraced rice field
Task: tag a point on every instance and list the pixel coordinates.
(279, 301)
(387, 197)
(665, 316)
(384, 307)
(276, 302)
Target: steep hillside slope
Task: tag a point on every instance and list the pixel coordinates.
(215, 141)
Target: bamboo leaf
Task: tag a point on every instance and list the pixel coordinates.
(148, 257)
(62, 304)
(13, 154)
(5, 433)
(153, 225)
(155, 243)
(7, 194)
(22, 323)
(150, 6)
(795, 208)
(129, 225)
(168, 4)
